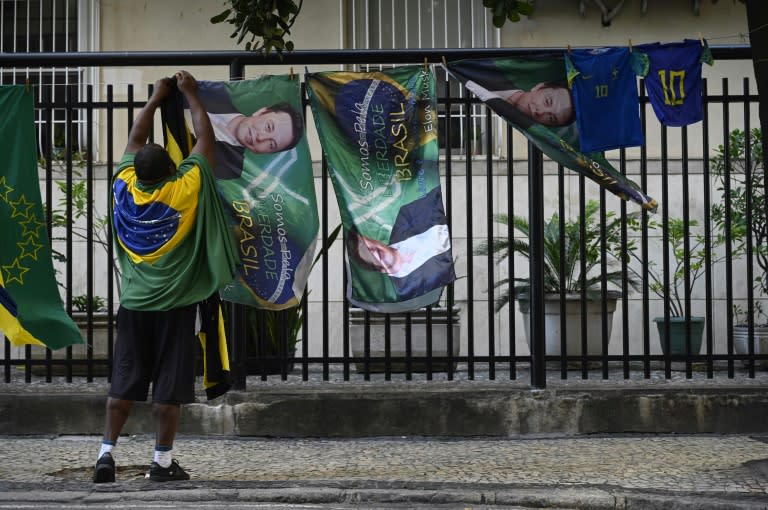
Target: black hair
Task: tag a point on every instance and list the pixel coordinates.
(152, 163)
(297, 121)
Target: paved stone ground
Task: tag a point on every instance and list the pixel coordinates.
(687, 464)
(702, 472)
(579, 472)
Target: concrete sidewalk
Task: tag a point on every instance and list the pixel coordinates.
(580, 444)
(609, 472)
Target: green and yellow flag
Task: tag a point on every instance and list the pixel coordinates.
(31, 311)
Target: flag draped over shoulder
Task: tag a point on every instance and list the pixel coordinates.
(512, 87)
(31, 310)
(178, 143)
(379, 133)
(264, 178)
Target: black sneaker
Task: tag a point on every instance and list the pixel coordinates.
(105, 469)
(169, 474)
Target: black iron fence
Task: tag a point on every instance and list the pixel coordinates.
(698, 263)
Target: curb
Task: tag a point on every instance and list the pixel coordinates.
(414, 411)
(589, 498)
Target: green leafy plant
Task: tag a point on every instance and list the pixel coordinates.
(78, 194)
(684, 263)
(503, 10)
(745, 209)
(81, 303)
(572, 280)
(266, 22)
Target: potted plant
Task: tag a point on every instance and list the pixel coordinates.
(434, 319)
(564, 248)
(271, 337)
(687, 266)
(745, 214)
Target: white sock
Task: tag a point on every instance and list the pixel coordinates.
(163, 455)
(106, 447)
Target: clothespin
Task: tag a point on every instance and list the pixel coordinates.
(426, 67)
(630, 44)
(27, 86)
(701, 39)
(445, 64)
(291, 75)
(569, 49)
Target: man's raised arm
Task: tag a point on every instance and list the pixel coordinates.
(137, 138)
(205, 144)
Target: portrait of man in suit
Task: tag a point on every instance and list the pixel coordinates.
(273, 128)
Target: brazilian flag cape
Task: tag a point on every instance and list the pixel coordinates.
(31, 310)
(173, 244)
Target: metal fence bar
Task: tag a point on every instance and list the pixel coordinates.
(474, 359)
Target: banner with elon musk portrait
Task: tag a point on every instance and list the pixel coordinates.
(379, 134)
(532, 94)
(264, 176)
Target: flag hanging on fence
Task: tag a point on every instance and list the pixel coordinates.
(31, 311)
(531, 93)
(264, 176)
(379, 133)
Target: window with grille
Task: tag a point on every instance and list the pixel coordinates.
(34, 26)
(393, 24)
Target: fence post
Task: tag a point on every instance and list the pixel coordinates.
(237, 317)
(536, 259)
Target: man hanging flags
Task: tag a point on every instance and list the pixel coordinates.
(31, 311)
(212, 334)
(264, 176)
(379, 133)
(531, 93)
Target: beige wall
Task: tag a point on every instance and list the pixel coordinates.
(184, 25)
(558, 23)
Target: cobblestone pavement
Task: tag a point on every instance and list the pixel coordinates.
(719, 466)
(702, 472)
(687, 463)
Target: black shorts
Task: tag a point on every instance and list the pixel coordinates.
(156, 347)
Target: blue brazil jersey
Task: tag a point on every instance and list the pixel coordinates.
(605, 96)
(674, 80)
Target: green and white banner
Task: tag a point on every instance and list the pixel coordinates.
(264, 176)
(378, 131)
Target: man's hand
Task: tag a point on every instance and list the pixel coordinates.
(205, 143)
(186, 82)
(161, 89)
(137, 137)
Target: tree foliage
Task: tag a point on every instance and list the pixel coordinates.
(265, 22)
(503, 10)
